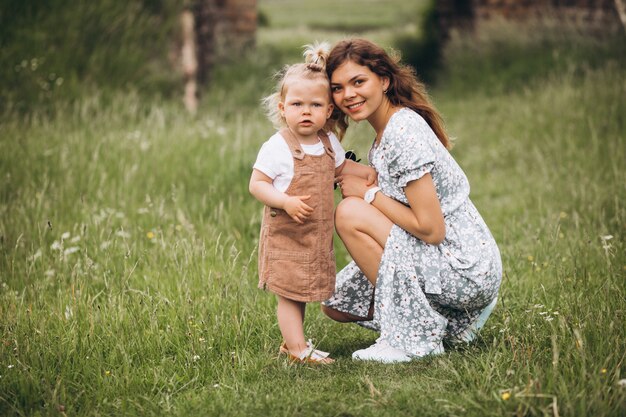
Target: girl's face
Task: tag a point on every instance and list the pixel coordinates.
(357, 91)
(306, 107)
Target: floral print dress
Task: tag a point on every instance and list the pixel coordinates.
(424, 293)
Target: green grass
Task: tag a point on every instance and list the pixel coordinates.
(128, 256)
(344, 15)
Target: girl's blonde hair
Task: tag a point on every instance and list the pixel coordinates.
(313, 68)
(404, 88)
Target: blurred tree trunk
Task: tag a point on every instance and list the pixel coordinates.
(206, 18)
(213, 30)
(189, 60)
(620, 5)
(198, 22)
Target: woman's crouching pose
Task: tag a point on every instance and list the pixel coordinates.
(425, 266)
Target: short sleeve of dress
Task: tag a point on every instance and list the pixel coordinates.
(408, 148)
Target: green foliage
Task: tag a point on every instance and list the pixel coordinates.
(52, 49)
(350, 16)
(263, 19)
(423, 51)
(503, 57)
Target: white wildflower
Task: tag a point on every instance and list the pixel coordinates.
(622, 383)
(65, 235)
(75, 239)
(49, 273)
(56, 245)
(196, 357)
(71, 250)
(35, 256)
(68, 312)
(123, 234)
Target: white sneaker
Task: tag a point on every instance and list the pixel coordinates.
(382, 352)
(470, 333)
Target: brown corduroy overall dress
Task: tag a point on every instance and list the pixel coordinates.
(297, 261)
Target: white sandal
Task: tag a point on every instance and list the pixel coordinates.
(309, 355)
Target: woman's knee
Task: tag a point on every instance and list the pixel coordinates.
(347, 213)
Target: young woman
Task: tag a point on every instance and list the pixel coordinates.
(425, 266)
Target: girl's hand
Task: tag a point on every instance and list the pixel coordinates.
(353, 186)
(297, 209)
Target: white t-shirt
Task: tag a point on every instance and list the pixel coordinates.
(275, 159)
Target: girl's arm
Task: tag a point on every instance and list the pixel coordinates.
(423, 218)
(349, 167)
(262, 188)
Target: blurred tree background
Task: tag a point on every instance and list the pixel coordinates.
(52, 50)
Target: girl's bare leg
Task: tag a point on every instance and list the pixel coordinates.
(290, 321)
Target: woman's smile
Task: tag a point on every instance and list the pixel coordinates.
(355, 107)
(357, 90)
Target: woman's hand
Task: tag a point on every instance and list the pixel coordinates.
(350, 167)
(354, 186)
(371, 176)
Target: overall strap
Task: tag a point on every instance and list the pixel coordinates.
(292, 142)
(326, 142)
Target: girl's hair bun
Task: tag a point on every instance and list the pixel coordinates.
(316, 55)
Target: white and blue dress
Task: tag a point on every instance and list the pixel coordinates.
(424, 293)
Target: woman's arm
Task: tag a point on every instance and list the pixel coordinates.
(262, 188)
(423, 218)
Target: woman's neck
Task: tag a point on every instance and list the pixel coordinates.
(381, 116)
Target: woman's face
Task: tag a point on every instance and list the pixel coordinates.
(357, 91)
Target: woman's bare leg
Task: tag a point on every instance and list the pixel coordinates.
(364, 231)
(343, 317)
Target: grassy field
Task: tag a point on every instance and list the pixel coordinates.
(128, 249)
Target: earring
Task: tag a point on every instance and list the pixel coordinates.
(384, 91)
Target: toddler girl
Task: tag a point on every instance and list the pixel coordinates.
(293, 176)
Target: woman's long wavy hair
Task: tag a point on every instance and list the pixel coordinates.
(404, 90)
